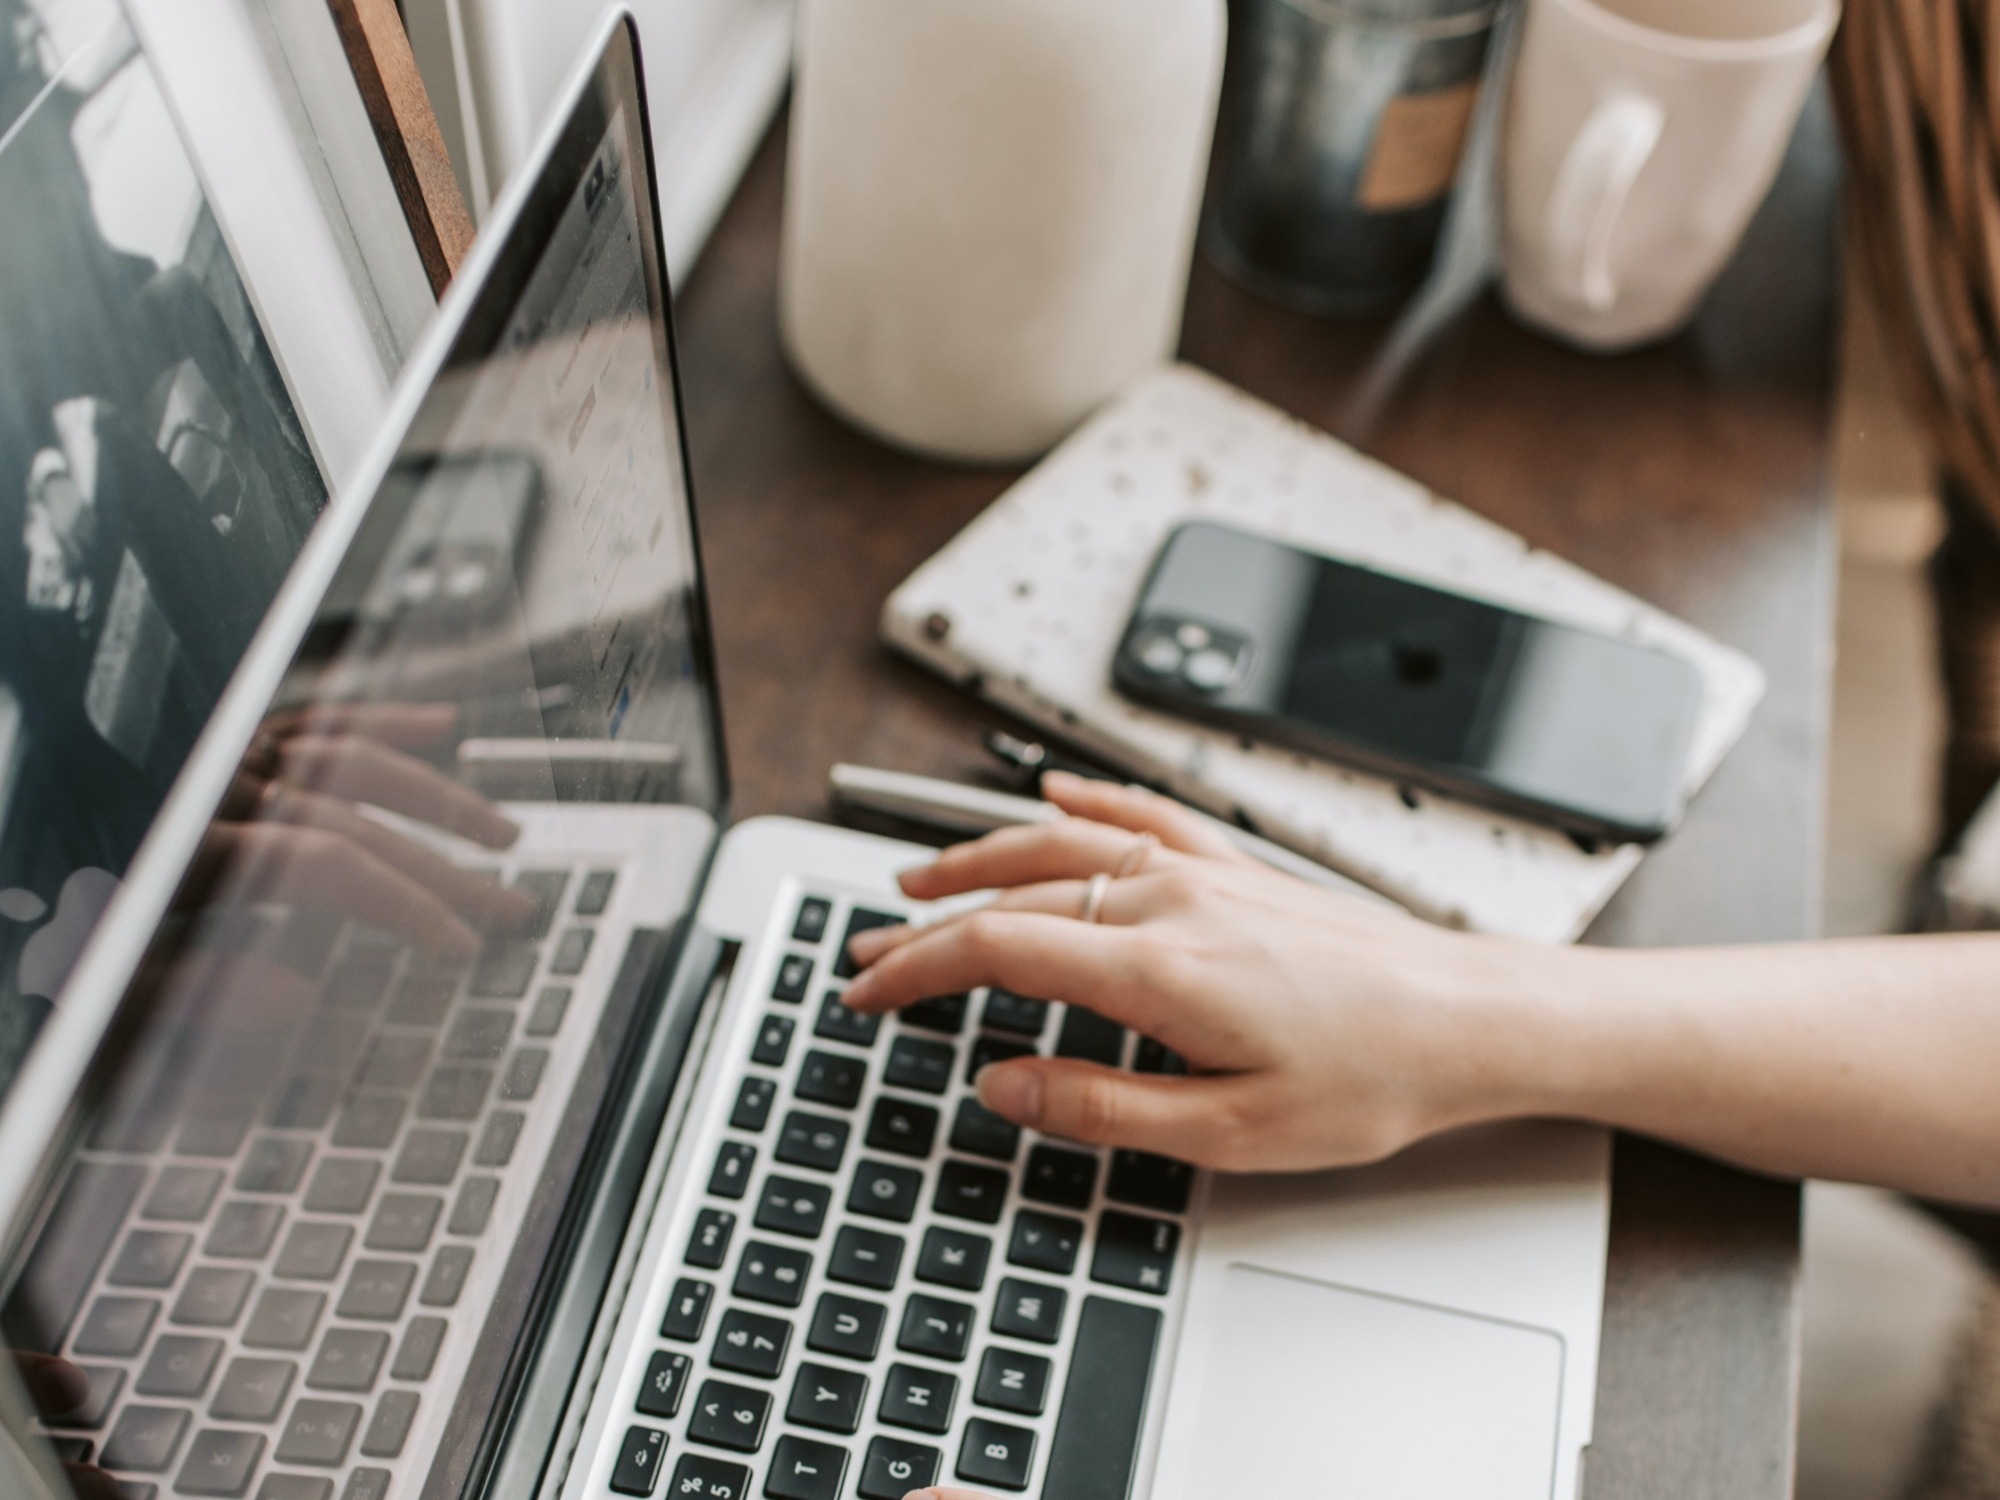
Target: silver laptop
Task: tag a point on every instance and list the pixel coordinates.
(453, 1103)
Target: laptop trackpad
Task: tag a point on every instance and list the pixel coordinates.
(1314, 1389)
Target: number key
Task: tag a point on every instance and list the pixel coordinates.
(884, 1192)
(771, 1273)
(751, 1344)
(700, 1478)
(729, 1416)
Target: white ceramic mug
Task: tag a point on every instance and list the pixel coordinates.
(1641, 136)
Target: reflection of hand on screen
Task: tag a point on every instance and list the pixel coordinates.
(57, 1387)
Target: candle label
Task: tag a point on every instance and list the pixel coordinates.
(1417, 146)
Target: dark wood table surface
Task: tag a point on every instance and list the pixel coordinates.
(1694, 474)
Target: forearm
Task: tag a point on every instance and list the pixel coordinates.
(1873, 1060)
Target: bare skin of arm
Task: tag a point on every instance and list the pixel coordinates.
(1324, 1031)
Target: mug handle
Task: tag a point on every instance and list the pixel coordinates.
(1591, 190)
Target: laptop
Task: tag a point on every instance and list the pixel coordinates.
(452, 1102)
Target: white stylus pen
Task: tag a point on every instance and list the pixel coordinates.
(971, 809)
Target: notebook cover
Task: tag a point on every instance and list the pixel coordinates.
(1026, 606)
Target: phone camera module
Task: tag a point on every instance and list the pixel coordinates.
(1158, 652)
(1209, 671)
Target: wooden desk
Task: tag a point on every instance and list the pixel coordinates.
(1694, 474)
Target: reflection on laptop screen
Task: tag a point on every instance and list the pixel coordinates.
(155, 484)
(322, 1169)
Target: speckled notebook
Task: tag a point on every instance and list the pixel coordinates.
(1025, 606)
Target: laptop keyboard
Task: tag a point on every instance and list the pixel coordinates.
(259, 1280)
(884, 1285)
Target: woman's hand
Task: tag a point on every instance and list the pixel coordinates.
(1321, 1030)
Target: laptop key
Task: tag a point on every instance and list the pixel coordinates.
(789, 1206)
(977, 1131)
(795, 972)
(367, 1484)
(1029, 1310)
(211, 1297)
(966, 1190)
(831, 1400)
(496, 1141)
(917, 1398)
(729, 1416)
(220, 1463)
(987, 1050)
(641, 1456)
(1012, 1381)
(1088, 1036)
(389, 1429)
(342, 1185)
(665, 1385)
(752, 1111)
(504, 971)
(916, 1064)
(253, 1390)
(687, 1310)
(996, 1454)
(278, 1486)
(809, 926)
(882, 1191)
(455, 1091)
(369, 1121)
(145, 1439)
(404, 1221)
(1104, 1401)
(377, 1289)
(349, 1360)
(733, 1165)
(318, 1433)
(274, 1164)
(831, 1078)
(396, 1060)
(950, 1257)
(750, 1343)
(181, 1195)
(284, 1319)
(419, 1349)
(179, 1366)
(1147, 1181)
(804, 1470)
(479, 1033)
(809, 1140)
(935, 1327)
(861, 919)
(593, 897)
(1045, 1242)
(546, 887)
(572, 952)
(772, 1273)
(313, 1251)
(846, 1326)
(697, 1477)
(944, 1014)
(1064, 1178)
(243, 1230)
(893, 1468)
(474, 1207)
(546, 1017)
(104, 1383)
(774, 1040)
(149, 1258)
(1135, 1252)
(902, 1127)
(1007, 1011)
(865, 1257)
(709, 1243)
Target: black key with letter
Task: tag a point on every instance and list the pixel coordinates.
(809, 1140)
(882, 1191)
(687, 1310)
(753, 1104)
(805, 1470)
(789, 1206)
(987, 1050)
(950, 1257)
(829, 1399)
(893, 1468)
(839, 1024)
(861, 919)
(795, 972)
(996, 1454)
(1012, 1381)
(1064, 1178)
(966, 1190)
(220, 1463)
(732, 1169)
(1104, 1401)
(1087, 1035)
(709, 1244)
(661, 1392)
(1045, 1242)
(1007, 1011)
(977, 1131)
(640, 1456)
(935, 1327)
(729, 1416)
(751, 1344)
(1148, 1181)
(831, 1078)
(1135, 1252)
(774, 1040)
(1029, 1310)
(771, 1273)
(944, 1014)
(902, 1127)
(865, 1257)
(699, 1478)
(846, 1326)
(810, 924)
(919, 1065)
(917, 1398)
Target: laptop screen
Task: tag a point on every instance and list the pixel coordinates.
(321, 1170)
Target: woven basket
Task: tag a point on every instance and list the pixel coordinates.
(1918, 82)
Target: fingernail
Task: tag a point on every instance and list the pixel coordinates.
(1061, 779)
(1015, 1093)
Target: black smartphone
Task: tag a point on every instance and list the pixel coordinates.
(1576, 728)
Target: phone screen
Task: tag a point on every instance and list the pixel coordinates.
(1413, 681)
